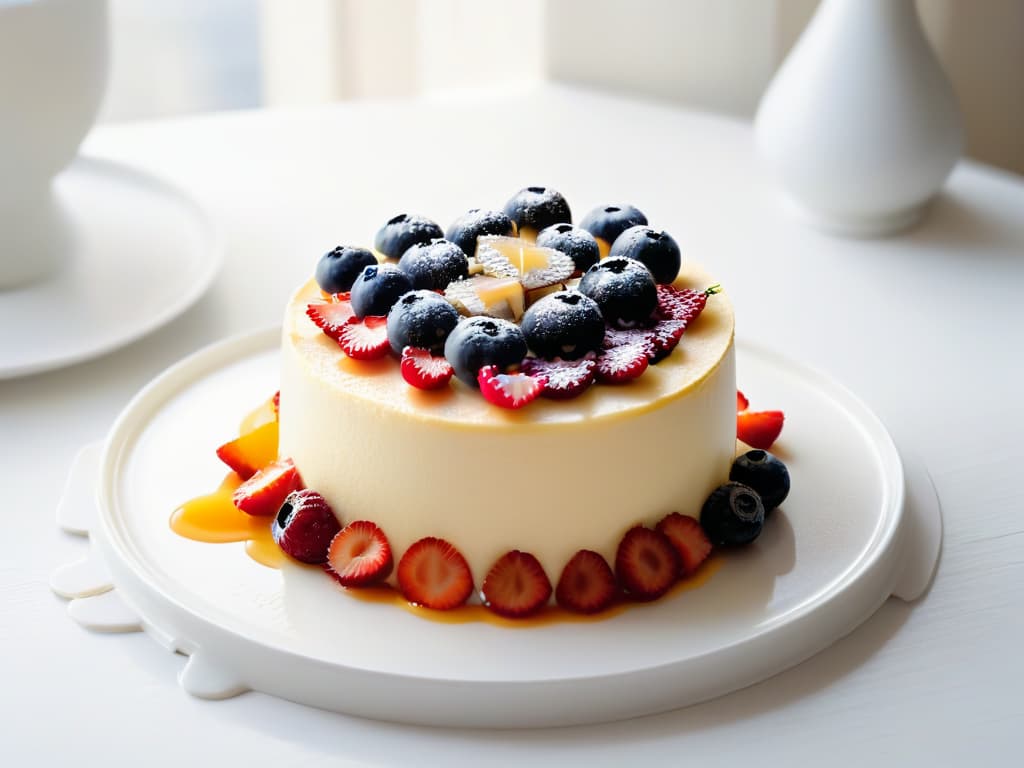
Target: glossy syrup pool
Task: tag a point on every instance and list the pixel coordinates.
(213, 518)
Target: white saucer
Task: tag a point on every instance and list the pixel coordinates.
(841, 544)
(140, 253)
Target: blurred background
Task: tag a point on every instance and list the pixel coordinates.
(175, 57)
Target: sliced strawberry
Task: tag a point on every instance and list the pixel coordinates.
(252, 451)
(587, 584)
(684, 304)
(331, 316)
(424, 370)
(759, 429)
(623, 363)
(619, 337)
(565, 378)
(365, 339)
(433, 573)
(741, 402)
(276, 400)
(646, 563)
(516, 585)
(359, 555)
(509, 390)
(688, 538)
(264, 492)
(666, 334)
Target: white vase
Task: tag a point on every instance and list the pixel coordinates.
(860, 125)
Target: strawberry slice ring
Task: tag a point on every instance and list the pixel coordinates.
(509, 390)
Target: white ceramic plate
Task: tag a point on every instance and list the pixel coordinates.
(141, 253)
(841, 544)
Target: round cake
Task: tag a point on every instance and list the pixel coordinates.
(549, 479)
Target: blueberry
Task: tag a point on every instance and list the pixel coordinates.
(377, 288)
(565, 324)
(537, 208)
(733, 515)
(657, 250)
(435, 264)
(469, 226)
(404, 231)
(338, 269)
(572, 241)
(480, 341)
(609, 221)
(765, 474)
(624, 289)
(421, 319)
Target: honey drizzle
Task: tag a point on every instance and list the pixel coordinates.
(213, 518)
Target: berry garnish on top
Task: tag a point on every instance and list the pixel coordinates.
(434, 574)
(435, 264)
(646, 563)
(683, 304)
(624, 362)
(476, 222)
(732, 515)
(365, 339)
(359, 555)
(404, 231)
(574, 242)
(516, 585)
(264, 492)
(658, 251)
(377, 288)
(304, 526)
(339, 268)
(564, 324)
(765, 474)
(565, 378)
(535, 208)
(623, 288)
(509, 390)
(688, 538)
(607, 222)
(421, 319)
(331, 316)
(479, 341)
(587, 584)
(424, 370)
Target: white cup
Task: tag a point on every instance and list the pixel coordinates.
(53, 73)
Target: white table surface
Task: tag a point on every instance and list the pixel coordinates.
(925, 327)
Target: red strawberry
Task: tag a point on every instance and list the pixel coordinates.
(516, 585)
(509, 390)
(433, 573)
(688, 538)
(759, 429)
(587, 584)
(646, 563)
(423, 370)
(684, 304)
(741, 402)
(365, 339)
(252, 451)
(618, 337)
(304, 526)
(565, 378)
(277, 403)
(359, 555)
(666, 334)
(331, 316)
(623, 363)
(264, 492)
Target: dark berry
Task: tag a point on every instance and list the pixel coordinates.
(537, 208)
(304, 526)
(624, 289)
(658, 251)
(377, 288)
(480, 341)
(469, 226)
(421, 319)
(564, 324)
(434, 265)
(574, 242)
(338, 269)
(404, 231)
(609, 221)
(765, 474)
(733, 515)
